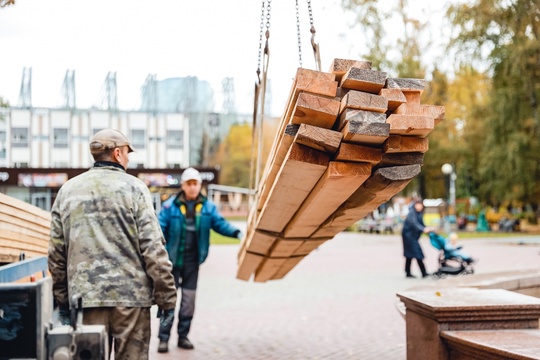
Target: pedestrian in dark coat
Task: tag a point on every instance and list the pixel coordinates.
(413, 228)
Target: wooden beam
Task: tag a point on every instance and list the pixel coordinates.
(406, 84)
(286, 267)
(371, 81)
(284, 247)
(399, 159)
(379, 188)
(364, 101)
(268, 268)
(288, 193)
(437, 112)
(410, 124)
(358, 153)
(338, 182)
(359, 115)
(395, 98)
(366, 133)
(339, 67)
(247, 265)
(315, 110)
(310, 245)
(319, 138)
(400, 144)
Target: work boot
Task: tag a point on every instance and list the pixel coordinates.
(163, 347)
(184, 343)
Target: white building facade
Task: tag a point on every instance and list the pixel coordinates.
(42, 148)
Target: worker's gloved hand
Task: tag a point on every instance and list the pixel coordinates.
(239, 235)
(64, 316)
(167, 317)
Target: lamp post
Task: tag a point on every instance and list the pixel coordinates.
(448, 170)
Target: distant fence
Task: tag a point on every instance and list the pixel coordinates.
(230, 200)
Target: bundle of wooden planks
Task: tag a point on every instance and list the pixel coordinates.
(24, 229)
(349, 140)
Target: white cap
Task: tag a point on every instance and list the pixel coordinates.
(191, 174)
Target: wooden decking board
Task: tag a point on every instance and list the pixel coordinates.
(268, 268)
(247, 265)
(406, 84)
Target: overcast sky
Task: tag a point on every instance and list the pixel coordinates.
(210, 39)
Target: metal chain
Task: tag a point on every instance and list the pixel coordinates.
(260, 40)
(316, 51)
(298, 34)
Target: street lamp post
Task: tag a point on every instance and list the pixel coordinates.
(448, 170)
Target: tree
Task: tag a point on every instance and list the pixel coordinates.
(505, 35)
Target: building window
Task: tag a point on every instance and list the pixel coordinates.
(19, 137)
(60, 138)
(174, 166)
(20, 165)
(2, 144)
(175, 139)
(138, 139)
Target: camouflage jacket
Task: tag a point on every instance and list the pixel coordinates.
(106, 243)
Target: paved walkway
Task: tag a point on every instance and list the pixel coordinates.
(338, 303)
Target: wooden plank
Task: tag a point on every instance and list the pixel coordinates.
(379, 188)
(9, 241)
(25, 207)
(306, 80)
(247, 265)
(284, 247)
(310, 245)
(25, 216)
(319, 138)
(406, 84)
(286, 267)
(437, 112)
(366, 133)
(268, 268)
(18, 222)
(410, 124)
(412, 88)
(399, 159)
(339, 181)
(273, 169)
(359, 115)
(288, 193)
(339, 67)
(260, 242)
(400, 144)
(315, 110)
(371, 81)
(364, 101)
(395, 97)
(358, 153)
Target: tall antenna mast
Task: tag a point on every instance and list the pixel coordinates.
(109, 99)
(25, 96)
(68, 90)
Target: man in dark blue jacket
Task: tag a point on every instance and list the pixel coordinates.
(413, 228)
(186, 220)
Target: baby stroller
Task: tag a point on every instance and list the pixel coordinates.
(451, 260)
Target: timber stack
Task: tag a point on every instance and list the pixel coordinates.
(349, 140)
(24, 230)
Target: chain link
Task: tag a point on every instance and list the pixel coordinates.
(264, 15)
(298, 34)
(310, 11)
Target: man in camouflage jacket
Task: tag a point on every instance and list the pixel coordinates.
(106, 245)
